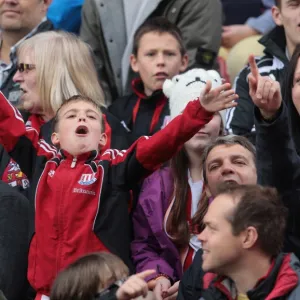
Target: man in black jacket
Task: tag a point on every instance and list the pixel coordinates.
(13, 242)
(19, 20)
(279, 47)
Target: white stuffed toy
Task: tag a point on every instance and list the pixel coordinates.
(188, 86)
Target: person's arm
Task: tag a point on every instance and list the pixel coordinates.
(90, 32)
(145, 247)
(20, 141)
(148, 153)
(278, 163)
(232, 34)
(146, 254)
(262, 24)
(201, 25)
(277, 160)
(13, 242)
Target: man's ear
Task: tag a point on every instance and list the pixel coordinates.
(276, 14)
(249, 237)
(103, 140)
(134, 63)
(184, 63)
(55, 139)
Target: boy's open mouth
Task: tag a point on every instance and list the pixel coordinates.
(81, 130)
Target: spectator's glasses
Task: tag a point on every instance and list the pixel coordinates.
(25, 67)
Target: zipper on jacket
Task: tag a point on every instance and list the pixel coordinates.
(73, 164)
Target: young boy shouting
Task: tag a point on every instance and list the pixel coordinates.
(158, 53)
(78, 198)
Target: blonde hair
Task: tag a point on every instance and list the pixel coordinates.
(64, 67)
(82, 279)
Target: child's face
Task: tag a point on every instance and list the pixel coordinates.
(79, 128)
(158, 58)
(206, 134)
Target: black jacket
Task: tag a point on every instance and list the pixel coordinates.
(13, 242)
(278, 165)
(191, 284)
(281, 283)
(240, 119)
(139, 114)
(9, 88)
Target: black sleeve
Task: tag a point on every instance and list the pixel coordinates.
(13, 242)
(278, 165)
(240, 119)
(191, 287)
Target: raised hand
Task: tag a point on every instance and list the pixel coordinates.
(219, 98)
(264, 91)
(134, 286)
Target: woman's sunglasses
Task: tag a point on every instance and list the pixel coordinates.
(25, 67)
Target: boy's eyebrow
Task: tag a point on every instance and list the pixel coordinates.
(164, 50)
(91, 110)
(71, 110)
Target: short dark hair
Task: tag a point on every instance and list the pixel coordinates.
(260, 207)
(278, 3)
(82, 279)
(229, 140)
(77, 98)
(160, 25)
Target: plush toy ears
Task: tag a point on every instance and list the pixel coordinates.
(215, 75)
(167, 87)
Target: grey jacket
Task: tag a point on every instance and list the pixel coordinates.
(104, 29)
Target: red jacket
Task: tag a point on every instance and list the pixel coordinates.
(10, 172)
(80, 207)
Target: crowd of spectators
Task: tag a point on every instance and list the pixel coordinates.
(107, 191)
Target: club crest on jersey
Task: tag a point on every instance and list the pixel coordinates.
(87, 179)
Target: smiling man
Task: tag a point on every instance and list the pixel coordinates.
(242, 241)
(241, 249)
(19, 20)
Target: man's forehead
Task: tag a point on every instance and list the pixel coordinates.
(223, 151)
(221, 206)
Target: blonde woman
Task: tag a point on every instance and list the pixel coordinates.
(53, 66)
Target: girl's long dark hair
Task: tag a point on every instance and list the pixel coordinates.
(294, 118)
(177, 225)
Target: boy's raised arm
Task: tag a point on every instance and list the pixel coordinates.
(13, 133)
(148, 153)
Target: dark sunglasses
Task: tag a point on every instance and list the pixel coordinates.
(25, 67)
